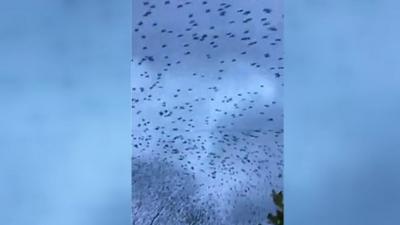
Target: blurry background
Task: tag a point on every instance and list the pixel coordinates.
(342, 112)
(65, 112)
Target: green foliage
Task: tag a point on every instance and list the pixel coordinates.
(277, 218)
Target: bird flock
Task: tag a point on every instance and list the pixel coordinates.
(207, 117)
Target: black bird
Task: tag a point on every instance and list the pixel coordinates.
(206, 111)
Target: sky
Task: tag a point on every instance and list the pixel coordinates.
(207, 104)
(65, 136)
(63, 70)
(341, 112)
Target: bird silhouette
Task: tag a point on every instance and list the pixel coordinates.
(207, 117)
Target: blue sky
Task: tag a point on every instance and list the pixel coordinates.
(341, 112)
(64, 87)
(64, 142)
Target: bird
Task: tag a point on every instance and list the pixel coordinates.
(207, 113)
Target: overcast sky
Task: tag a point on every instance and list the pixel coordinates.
(208, 75)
